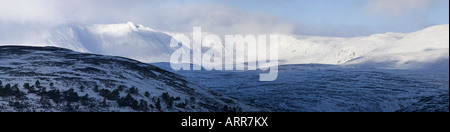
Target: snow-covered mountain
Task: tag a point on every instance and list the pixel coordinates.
(428, 48)
(389, 50)
(56, 79)
(347, 77)
(126, 40)
(383, 72)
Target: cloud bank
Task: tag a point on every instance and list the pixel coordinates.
(179, 16)
(19, 17)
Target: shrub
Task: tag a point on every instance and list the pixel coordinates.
(96, 89)
(55, 95)
(37, 84)
(6, 91)
(82, 88)
(147, 94)
(129, 101)
(71, 96)
(158, 104)
(133, 90)
(85, 100)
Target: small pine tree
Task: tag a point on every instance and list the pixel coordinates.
(6, 91)
(8, 86)
(82, 88)
(115, 95)
(143, 105)
(158, 104)
(105, 93)
(85, 100)
(1, 89)
(128, 101)
(121, 88)
(15, 90)
(133, 90)
(26, 86)
(55, 95)
(165, 96)
(45, 102)
(104, 104)
(71, 96)
(96, 89)
(42, 92)
(37, 84)
(135, 104)
(147, 94)
(170, 103)
(69, 107)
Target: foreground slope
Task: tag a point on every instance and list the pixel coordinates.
(56, 79)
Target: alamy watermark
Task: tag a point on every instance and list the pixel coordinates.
(238, 53)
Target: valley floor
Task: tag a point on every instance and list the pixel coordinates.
(318, 88)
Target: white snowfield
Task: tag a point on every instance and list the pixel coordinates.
(389, 50)
(126, 40)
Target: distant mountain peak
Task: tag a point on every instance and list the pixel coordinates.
(127, 40)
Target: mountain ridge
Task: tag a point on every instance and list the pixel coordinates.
(150, 46)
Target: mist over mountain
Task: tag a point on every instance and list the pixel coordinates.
(126, 40)
(390, 50)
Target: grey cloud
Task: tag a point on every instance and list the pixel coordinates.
(177, 16)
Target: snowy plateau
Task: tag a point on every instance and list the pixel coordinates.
(379, 73)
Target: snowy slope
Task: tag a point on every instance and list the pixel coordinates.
(421, 47)
(62, 69)
(389, 50)
(330, 50)
(126, 40)
(330, 88)
(429, 104)
(354, 81)
(428, 48)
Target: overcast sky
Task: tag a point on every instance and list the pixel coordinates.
(305, 17)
